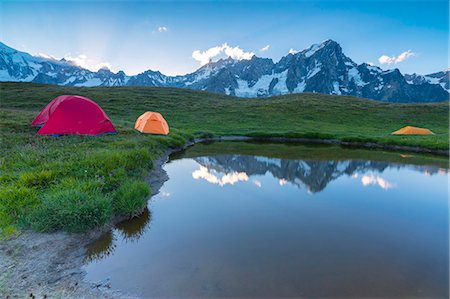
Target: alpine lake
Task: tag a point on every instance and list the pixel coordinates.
(252, 220)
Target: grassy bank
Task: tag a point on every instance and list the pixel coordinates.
(75, 183)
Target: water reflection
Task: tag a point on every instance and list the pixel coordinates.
(129, 230)
(372, 179)
(313, 175)
(211, 176)
(101, 248)
(222, 170)
(237, 225)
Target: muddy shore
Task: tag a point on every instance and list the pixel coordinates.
(41, 264)
(50, 264)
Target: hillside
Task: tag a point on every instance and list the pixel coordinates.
(290, 115)
(45, 179)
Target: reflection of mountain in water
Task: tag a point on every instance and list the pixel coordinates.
(314, 175)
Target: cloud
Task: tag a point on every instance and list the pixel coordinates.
(257, 183)
(264, 49)
(367, 180)
(211, 177)
(385, 59)
(234, 52)
(83, 61)
(46, 56)
(292, 51)
(162, 29)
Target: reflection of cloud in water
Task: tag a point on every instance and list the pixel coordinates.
(443, 171)
(257, 183)
(211, 176)
(130, 231)
(312, 175)
(370, 179)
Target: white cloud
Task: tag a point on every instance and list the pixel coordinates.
(264, 49)
(367, 180)
(162, 29)
(46, 56)
(385, 59)
(205, 56)
(234, 52)
(257, 183)
(211, 177)
(292, 51)
(83, 61)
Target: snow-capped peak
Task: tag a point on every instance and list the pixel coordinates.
(320, 68)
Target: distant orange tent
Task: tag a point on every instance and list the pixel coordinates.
(152, 122)
(408, 130)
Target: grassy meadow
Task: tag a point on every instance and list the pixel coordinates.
(75, 183)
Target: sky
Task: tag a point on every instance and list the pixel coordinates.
(177, 37)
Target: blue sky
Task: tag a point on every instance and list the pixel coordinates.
(136, 36)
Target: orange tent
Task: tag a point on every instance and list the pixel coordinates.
(408, 130)
(152, 122)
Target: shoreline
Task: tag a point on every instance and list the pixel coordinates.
(52, 263)
(366, 145)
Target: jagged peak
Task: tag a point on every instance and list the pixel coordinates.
(314, 48)
(248, 77)
(104, 69)
(330, 41)
(391, 72)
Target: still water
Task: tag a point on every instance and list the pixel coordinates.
(274, 220)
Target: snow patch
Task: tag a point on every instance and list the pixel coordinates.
(266, 160)
(342, 166)
(305, 166)
(313, 49)
(336, 88)
(300, 87)
(261, 86)
(353, 73)
(314, 71)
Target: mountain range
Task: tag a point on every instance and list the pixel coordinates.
(312, 175)
(322, 68)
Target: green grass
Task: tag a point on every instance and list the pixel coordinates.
(83, 181)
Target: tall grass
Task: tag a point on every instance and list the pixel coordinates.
(75, 183)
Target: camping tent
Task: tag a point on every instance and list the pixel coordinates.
(152, 122)
(408, 130)
(71, 114)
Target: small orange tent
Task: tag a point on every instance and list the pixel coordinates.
(152, 122)
(408, 130)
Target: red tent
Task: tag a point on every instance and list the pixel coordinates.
(70, 114)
